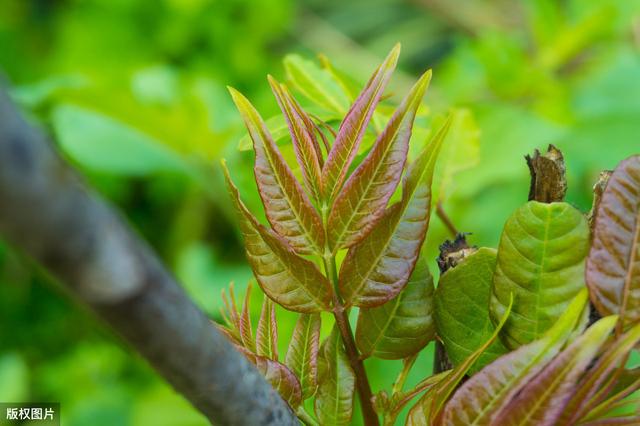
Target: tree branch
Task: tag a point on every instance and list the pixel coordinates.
(48, 212)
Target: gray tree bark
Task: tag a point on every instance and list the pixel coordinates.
(48, 212)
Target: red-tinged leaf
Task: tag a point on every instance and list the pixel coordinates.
(362, 202)
(246, 332)
(542, 400)
(353, 127)
(403, 325)
(303, 138)
(612, 400)
(428, 410)
(583, 399)
(482, 397)
(280, 378)
(230, 316)
(376, 269)
(302, 355)
(613, 264)
(267, 331)
(291, 281)
(336, 383)
(417, 415)
(287, 207)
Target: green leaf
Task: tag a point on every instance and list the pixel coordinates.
(362, 202)
(433, 402)
(541, 261)
(486, 393)
(353, 127)
(462, 309)
(302, 132)
(302, 355)
(541, 401)
(267, 331)
(287, 207)
(403, 325)
(461, 153)
(613, 266)
(244, 325)
(377, 269)
(105, 145)
(588, 393)
(336, 383)
(316, 84)
(291, 281)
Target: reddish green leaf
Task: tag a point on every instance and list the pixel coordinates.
(485, 394)
(246, 332)
(353, 127)
(587, 395)
(376, 269)
(613, 265)
(291, 281)
(462, 308)
(303, 137)
(302, 355)
(267, 331)
(336, 383)
(362, 202)
(403, 325)
(286, 205)
(542, 400)
(280, 378)
(433, 404)
(541, 261)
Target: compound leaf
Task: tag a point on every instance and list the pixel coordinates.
(286, 205)
(280, 378)
(302, 356)
(376, 269)
(541, 261)
(613, 265)
(462, 309)
(362, 202)
(336, 383)
(403, 325)
(291, 281)
(480, 400)
(353, 127)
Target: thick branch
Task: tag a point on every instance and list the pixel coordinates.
(46, 211)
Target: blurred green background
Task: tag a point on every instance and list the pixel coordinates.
(133, 93)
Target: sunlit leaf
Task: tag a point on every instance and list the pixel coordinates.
(302, 355)
(613, 265)
(462, 309)
(302, 132)
(487, 392)
(377, 269)
(403, 325)
(336, 383)
(461, 153)
(541, 401)
(267, 331)
(291, 281)
(316, 84)
(103, 144)
(434, 402)
(286, 205)
(541, 261)
(362, 201)
(353, 127)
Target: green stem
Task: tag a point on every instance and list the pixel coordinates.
(306, 417)
(407, 363)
